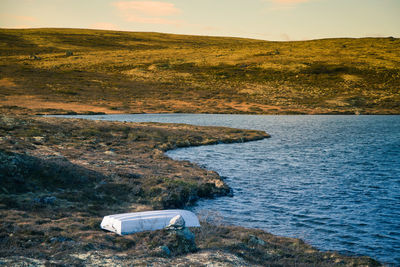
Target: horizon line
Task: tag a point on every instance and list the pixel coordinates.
(202, 35)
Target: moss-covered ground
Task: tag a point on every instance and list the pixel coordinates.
(59, 177)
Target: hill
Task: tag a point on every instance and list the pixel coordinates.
(83, 71)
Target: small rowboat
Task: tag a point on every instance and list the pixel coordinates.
(129, 223)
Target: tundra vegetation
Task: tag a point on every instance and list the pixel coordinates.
(71, 70)
(59, 177)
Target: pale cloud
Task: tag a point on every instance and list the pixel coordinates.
(26, 18)
(290, 1)
(285, 4)
(207, 28)
(17, 21)
(148, 8)
(18, 18)
(153, 20)
(149, 12)
(104, 26)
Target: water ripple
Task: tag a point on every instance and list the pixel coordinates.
(337, 186)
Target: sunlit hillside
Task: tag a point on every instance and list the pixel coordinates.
(70, 70)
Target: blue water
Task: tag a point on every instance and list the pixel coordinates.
(333, 181)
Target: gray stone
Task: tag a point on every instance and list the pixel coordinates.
(186, 234)
(166, 250)
(181, 241)
(256, 241)
(176, 222)
(49, 200)
(60, 239)
(46, 200)
(38, 139)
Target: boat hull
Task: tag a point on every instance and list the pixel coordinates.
(129, 223)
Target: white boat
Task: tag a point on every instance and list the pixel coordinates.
(129, 223)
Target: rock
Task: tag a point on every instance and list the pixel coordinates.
(256, 241)
(186, 234)
(38, 140)
(34, 57)
(89, 246)
(161, 251)
(46, 200)
(219, 183)
(165, 250)
(176, 222)
(181, 241)
(60, 239)
(49, 200)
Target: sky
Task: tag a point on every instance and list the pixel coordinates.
(280, 20)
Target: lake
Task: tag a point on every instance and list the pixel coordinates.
(333, 181)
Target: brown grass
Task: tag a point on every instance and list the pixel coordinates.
(59, 177)
(129, 72)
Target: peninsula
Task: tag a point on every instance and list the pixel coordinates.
(59, 177)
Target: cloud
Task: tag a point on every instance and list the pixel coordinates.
(151, 20)
(17, 18)
(26, 18)
(290, 2)
(285, 4)
(148, 8)
(104, 26)
(208, 28)
(148, 12)
(15, 21)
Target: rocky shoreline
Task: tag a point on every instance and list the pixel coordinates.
(59, 177)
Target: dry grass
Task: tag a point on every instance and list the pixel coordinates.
(152, 72)
(58, 177)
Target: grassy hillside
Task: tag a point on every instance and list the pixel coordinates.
(64, 70)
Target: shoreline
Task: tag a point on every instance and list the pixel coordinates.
(125, 169)
(22, 110)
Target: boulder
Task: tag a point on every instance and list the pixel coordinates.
(176, 222)
(181, 241)
(186, 234)
(254, 240)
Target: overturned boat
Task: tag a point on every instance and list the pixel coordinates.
(129, 223)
